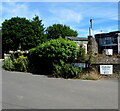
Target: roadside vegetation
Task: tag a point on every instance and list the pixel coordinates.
(54, 57)
(16, 62)
(33, 48)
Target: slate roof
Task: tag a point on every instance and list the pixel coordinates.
(78, 38)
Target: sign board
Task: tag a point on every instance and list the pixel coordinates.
(106, 69)
(83, 65)
(109, 51)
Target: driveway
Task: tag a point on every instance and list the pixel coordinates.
(27, 91)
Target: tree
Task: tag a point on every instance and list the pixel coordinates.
(52, 52)
(21, 33)
(57, 30)
(39, 29)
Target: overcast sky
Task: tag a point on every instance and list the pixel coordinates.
(73, 14)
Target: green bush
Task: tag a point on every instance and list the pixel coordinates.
(16, 64)
(45, 55)
(81, 53)
(66, 70)
(8, 64)
(21, 64)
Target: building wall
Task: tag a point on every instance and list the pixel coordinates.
(84, 46)
(80, 41)
(108, 41)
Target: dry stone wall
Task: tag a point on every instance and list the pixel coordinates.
(107, 61)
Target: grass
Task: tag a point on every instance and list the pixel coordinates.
(90, 77)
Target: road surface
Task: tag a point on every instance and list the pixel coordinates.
(27, 91)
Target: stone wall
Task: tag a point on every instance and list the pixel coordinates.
(107, 61)
(116, 68)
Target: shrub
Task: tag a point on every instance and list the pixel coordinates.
(81, 53)
(16, 64)
(51, 52)
(92, 74)
(8, 64)
(66, 70)
(21, 63)
(90, 59)
(90, 77)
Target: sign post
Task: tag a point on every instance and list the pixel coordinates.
(106, 69)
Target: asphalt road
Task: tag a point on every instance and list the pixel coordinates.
(27, 91)
(0, 86)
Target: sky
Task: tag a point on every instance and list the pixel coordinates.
(76, 15)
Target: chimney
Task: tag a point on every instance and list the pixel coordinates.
(90, 28)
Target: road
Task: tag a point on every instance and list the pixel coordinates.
(27, 91)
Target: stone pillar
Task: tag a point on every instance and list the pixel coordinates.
(92, 45)
(89, 47)
(118, 43)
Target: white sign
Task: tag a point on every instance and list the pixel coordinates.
(106, 69)
(109, 51)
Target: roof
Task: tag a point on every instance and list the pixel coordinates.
(78, 38)
(107, 34)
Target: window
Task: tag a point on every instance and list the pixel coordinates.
(108, 40)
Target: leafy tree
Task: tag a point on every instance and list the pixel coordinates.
(52, 52)
(57, 30)
(39, 29)
(21, 33)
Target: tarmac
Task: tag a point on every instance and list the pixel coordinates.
(27, 91)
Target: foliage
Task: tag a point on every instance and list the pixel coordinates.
(90, 58)
(8, 64)
(57, 30)
(81, 53)
(90, 77)
(39, 29)
(20, 33)
(21, 63)
(66, 70)
(16, 64)
(92, 74)
(45, 55)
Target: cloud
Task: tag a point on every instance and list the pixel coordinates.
(73, 14)
(105, 29)
(13, 9)
(85, 32)
(64, 15)
(100, 10)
